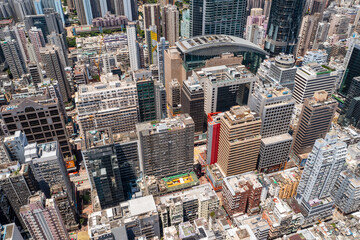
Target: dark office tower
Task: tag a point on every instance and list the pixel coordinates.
(102, 166)
(34, 73)
(354, 91)
(146, 97)
(18, 184)
(13, 57)
(54, 68)
(39, 118)
(167, 147)
(192, 102)
(352, 63)
(283, 27)
(217, 17)
(314, 122)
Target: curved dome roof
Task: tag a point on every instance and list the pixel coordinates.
(211, 45)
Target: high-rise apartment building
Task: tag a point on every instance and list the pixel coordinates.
(307, 33)
(283, 27)
(314, 122)
(42, 218)
(110, 103)
(35, 73)
(84, 11)
(39, 118)
(241, 194)
(55, 69)
(14, 57)
(152, 17)
(18, 183)
(48, 166)
(37, 39)
(225, 86)
(311, 78)
(320, 174)
(170, 137)
(275, 107)
(133, 46)
(214, 17)
(192, 102)
(170, 23)
(15, 145)
(130, 9)
(352, 61)
(239, 142)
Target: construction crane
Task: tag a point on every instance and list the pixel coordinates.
(97, 62)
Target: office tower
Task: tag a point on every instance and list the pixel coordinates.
(275, 107)
(214, 17)
(322, 169)
(48, 166)
(35, 73)
(283, 71)
(225, 86)
(170, 137)
(283, 27)
(173, 69)
(346, 192)
(192, 102)
(84, 11)
(65, 205)
(14, 57)
(130, 9)
(353, 114)
(354, 91)
(15, 145)
(351, 62)
(54, 68)
(37, 39)
(307, 33)
(213, 135)
(103, 167)
(39, 118)
(313, 77)
(314, 122)
(162, 45)
(241, 194)
(174, 101)
(133, 46)
(152, 17)
(161, 107)
(185, 24)
(317, 56)
(146, 99)
(110, 103)
(22, 8)
(42, 218)
(18, 184)
(239, 141)
(170, 23)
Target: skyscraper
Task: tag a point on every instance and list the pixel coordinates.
(352, 61)
(321, 171)
(14, 57)
(354, 91)
(170, 23)
(217, 17)
(275, 107)
(239, 142)
(283, 71)
(55, 69)
(162, 45)
(192, 102)
(307, 33)
(314, 122)
(283, 27)
(130, 9)
(42, 218)
(133, 46)
(146, 98)
(84, 11)
(167, 148)
(152, 17)
(213, 134)
(37, 39)
(311, 78)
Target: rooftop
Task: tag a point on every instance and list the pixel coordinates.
(239, 183)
